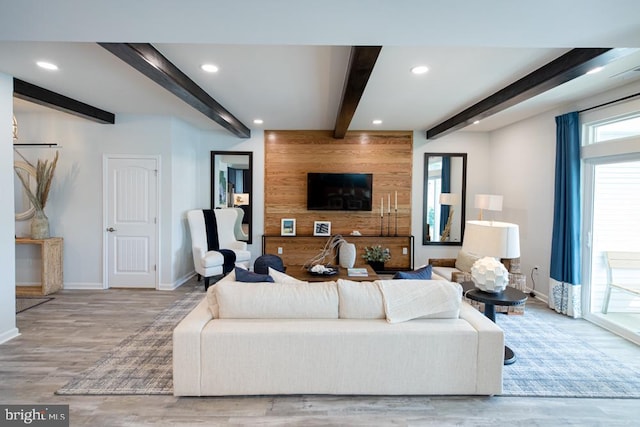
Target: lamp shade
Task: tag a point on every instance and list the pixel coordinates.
(492, 238)
(491, 202)
(449, 199)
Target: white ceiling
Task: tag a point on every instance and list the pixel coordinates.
(284, 61)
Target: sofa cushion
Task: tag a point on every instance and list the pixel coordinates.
(465, 260)
(360, 300)
(247, 276)
(423, 273)
(412, 299)
(280, 277)
(276, 300)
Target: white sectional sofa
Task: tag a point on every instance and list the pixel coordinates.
(336, 338)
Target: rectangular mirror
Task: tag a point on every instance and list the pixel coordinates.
(232, 187)
(443, 211)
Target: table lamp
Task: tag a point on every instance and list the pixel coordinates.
(448, 199)
(490, 202)
(492, 240)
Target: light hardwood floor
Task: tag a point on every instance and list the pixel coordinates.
(70, 333)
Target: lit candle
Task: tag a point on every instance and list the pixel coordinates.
(396, 200)
(381, 206)
(389, 201)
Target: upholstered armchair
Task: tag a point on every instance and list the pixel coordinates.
(209, 261)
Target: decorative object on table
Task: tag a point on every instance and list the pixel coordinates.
(322, 228)
(492, 240)
(287, 227)
(39, 196)
(323, 270)
(241, 199)
(357, 272)
(447, 203)
(396, 229)
(347, 254)
(327, 251)
(490, 202)
(376, 256)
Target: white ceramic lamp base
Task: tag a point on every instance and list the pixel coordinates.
(489, 275)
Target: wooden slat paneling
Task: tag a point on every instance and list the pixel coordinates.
(290, 155)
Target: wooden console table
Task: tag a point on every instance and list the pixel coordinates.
(51, 267)
(296, 250)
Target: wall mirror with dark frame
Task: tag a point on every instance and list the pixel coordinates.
(443, 210)
(232, 186)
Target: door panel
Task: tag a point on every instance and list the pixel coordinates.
(131, 222)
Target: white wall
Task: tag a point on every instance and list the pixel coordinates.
(8, 328)
(477, 146)
(525, 152)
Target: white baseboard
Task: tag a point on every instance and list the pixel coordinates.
(177, 283)
(9, 335)
(87, 286)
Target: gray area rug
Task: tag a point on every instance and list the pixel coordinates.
(25, 303)
(549, 363)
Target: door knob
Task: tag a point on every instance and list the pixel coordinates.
(111, 229)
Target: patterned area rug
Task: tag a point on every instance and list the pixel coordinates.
(25, 303)
(549, 363)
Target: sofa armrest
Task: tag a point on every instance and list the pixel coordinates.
(237, 245)
(490, 350)
(460, 276)
(187, 357)
(442, 262)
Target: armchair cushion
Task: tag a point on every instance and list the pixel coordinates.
(465, 260)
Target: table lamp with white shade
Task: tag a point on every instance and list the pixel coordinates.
(492, 240)
(448, 199)
(489, 202)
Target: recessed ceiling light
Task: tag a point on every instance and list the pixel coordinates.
(377, 122)
(476, 122)
(47, 65)
(595, 70)
(420, 69)
(209, 68)
(258, 121)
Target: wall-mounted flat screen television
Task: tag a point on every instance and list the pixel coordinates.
(339, 191)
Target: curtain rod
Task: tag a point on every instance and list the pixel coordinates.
(610, 102)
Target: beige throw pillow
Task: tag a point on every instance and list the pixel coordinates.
(465, 260)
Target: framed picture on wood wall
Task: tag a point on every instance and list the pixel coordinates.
(287, 227)
(322, 228)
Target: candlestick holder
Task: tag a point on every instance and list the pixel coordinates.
(381, 222)
(389, 224)
(396, 233)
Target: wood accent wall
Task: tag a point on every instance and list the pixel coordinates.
(290, 155)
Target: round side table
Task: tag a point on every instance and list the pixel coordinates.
(508, 297)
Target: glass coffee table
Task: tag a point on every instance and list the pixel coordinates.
(508, 297)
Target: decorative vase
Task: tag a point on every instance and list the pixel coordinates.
(489, 275)
(376, 265)
(347, 258)
(39, 225)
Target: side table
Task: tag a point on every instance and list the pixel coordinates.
(508, 297)
(51, 268)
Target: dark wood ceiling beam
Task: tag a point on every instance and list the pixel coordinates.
(572, 64)
(150, 62)
(361, 63)
(45, 97)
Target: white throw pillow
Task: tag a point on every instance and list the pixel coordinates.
(360, 300)
(276, 300)
(413, 299)
(280, 277)
(465, 260)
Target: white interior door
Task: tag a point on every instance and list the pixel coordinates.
(131, 211)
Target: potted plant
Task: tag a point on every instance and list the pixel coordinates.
(376, 256)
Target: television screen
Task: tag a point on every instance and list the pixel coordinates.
(339, 191)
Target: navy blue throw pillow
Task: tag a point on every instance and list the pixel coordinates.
(423, 273)
(247, 276)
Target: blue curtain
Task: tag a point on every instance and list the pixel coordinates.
(565, 289)
(445, 187)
